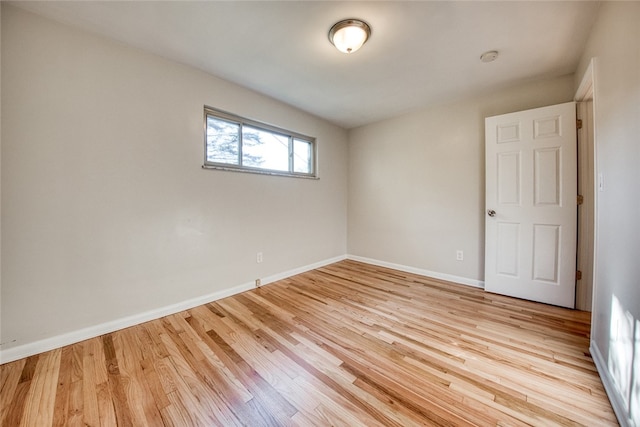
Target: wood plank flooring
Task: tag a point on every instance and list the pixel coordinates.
(349, 344)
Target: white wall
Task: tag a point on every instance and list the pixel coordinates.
(416, 182)
(615, 44)
(106, 211)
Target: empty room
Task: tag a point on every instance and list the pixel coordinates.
(320, 213)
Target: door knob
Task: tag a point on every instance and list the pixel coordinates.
(491, 213)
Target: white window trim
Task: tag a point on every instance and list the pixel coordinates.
(223, 115)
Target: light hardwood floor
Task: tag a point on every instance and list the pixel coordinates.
(346, 345)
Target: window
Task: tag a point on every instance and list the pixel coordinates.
(234, 143)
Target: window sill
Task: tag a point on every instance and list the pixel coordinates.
(260, 172)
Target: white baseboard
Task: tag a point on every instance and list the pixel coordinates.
(620, 409)
(29, 349)
(280, 276)
(420, 271)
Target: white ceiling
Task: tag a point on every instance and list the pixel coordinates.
(420, 53)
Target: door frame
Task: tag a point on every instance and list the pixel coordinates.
(588, 236)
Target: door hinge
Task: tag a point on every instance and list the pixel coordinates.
(580, 199)
(579, 124)
(578, 275)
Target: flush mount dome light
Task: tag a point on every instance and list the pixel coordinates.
(349, 35)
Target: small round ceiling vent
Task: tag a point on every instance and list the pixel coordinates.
(489, 56)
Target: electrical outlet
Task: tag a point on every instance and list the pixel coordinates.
(258, 283)
(259, 257)
(459, 255)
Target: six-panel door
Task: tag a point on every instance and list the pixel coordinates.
(531, 178)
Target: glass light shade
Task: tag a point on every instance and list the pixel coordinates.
(349, 35)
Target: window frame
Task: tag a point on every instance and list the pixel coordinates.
(241, 122)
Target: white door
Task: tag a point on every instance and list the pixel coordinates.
(530, 226)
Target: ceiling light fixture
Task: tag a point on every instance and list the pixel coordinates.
(349, 35)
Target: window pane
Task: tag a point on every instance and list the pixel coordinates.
(222, 141)
(236, 143)
(301, 156)
(264, 149)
